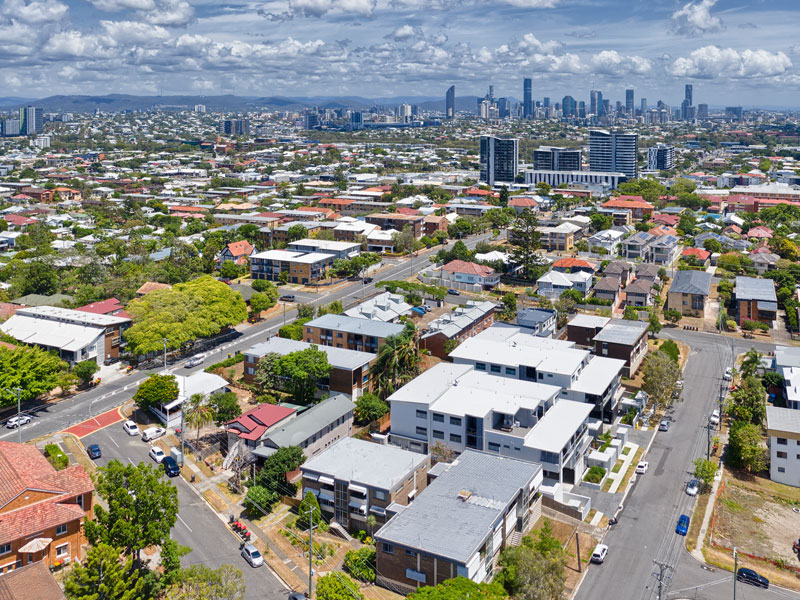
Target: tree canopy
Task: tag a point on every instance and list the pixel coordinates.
(458, 589)
(30, 369)
(156, 390)
(300, 372)
(104, 575)
(200, 582)
(661, 375)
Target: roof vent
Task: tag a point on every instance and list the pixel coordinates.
(464, 495)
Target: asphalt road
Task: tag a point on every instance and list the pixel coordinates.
(646, 529)
(198, 527)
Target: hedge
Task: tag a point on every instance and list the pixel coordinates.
(56, 457)
(228, 362)
(595, 474)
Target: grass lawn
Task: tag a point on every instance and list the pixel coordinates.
(697, 520)
(629, 473)
(617, 467)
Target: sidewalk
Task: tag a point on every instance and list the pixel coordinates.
(698, 550)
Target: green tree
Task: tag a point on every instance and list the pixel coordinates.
(601, 221)
(259, 302)
(296, 232)
(32, 370)
(704, 470)
(225, 406)
(397, 362)
(228, 270)
(672, 315)
(270, 482)
(142, 507)
(748, 401)
(369, 408)
(360, 564)
(200, 582)
(305, 311)
(509, 306)
(403, 241)
(264, 286)
(198, 412)
(85, 370)
(631, 313)
(259, 500)
(744, 447)
(293, 331)
(265, 377)
(171, 553)
(661, 375)
(460, 588)
(654, 323)
(309, 512)
(751, 363)
(301, 371)
(35, 277)
(504, 196)
(103, 575)
(712, 246)
(156, 390)
(337, 586)
(525, 242)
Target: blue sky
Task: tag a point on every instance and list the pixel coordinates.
(732, 51)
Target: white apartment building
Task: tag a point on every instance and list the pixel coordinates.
(783, 431)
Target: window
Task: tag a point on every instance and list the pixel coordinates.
(495, 368)
(438, 435)
(781, 470)
(781, 454)
(782, 441)
(438, 418)
(511, 371)
(410, 553)
(493, 447)
(61, 530)
(338, 334)
(309, 330)
(455, 421)
(480, 366)
(422, 414)
(388, 548)
(379, 494)
(5, 548)
(62, 550)
(454, 437)
(541, 375)
(422, 431)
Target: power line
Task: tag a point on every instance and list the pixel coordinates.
(663, 577)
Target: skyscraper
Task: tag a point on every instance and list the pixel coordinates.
(702, 112)
(660, 157)
(499, 159)
(568, 106)
(546, 102)
(450, 103)
(553, 158)
(527, 98)
(581, 109)
(503, 108)
(644, 106)
(688, 94)
(491, 92)
(614, 152)
(594, 103)
(31, 120)
(629, 102)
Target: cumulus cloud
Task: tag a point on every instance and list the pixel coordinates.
(532, 3)
(132, 32)
(530, 43)
(171, 13)
(695, 19)
(35, 11)
(712, 62)
(320, 8)
(118, 5)
(403, 32)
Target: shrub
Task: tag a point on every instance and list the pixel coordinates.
(56, 457)
(730, 325)
(360, 563)
(228, 362)
(629, 416)
(671, 349)
(595, 474)
(598, 301)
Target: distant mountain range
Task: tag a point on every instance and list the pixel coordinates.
(120, 102)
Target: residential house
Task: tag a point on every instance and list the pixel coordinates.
(459, 271)
(665, 250)
(198, 384)
(42, 300)
(381, 240)
(783, 431)
(625, 340)
(666, 219)
(608, 240)
(639, 293)
(538, 321)
(697, 255)
(112, 307)
(42, 510)
(552, 284)
(582, 329)
(353, 333)
(637, 247)
(486, 499)
(237, 252)
(387, 307)
(764, 261)
(32, 582)
(648, 271)
(151, 286)
(724, 240)
(662, 229)
(521, 203)
(354, 478)
(353, 230)
(253, 427)
(607, 288)
(759, 233)
(73, 334)
(454, 327)
(640, 209)
(689, 292)
(350, 372)
(397, 221)
(571, 265)
(621, 270)
(755, 300)
(559, 237)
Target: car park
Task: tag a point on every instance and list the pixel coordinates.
(252, 555)
(664, 425)
(599, 554)
(157, 454)
(18, 421)
(130, 428)
(682, 528)
(453, 292)
(196, 360)
(93, 451)
(693, 487)
(641, 468)
(287, 298)
(749, 576)
(171, 467)
(152, 433)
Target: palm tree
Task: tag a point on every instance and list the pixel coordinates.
(397, 362)
(198, 413)
(751, 363)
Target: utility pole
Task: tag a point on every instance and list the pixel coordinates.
(18, 393)
(183, 411)
(708, 438)
(165, 353)
(735, 569)
(662, 576)
(311, 552)
(578, 547)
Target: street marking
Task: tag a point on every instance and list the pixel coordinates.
(184, 524)
(110, 439)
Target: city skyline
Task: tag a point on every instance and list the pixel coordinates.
(734, 54)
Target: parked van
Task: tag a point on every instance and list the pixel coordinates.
(196, 360)
(152, 433)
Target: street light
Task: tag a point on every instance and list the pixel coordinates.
(18, 393)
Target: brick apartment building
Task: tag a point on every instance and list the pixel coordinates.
(397, 221)
(353, 333)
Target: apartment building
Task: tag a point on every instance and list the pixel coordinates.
(783, 431)
(463, 322)
(302, 267)
(756, 300)
(625, 340)
(352, 333)
(397, 221)
(689, 292)
(354, 478)
(344, 250)
(559, 237)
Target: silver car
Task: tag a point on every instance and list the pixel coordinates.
(693, 487)
(252, 555)
(18, 421)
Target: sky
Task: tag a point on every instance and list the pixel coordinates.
(732, 51)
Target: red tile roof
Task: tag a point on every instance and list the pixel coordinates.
(407, 210)
(660, 230)
(18, 220)
(699, 253)
(671, 220)
(106, 307)
(522, 202)
(571, 263)
(240, 248)
(627, 202)
(152, 286)
(468, 268)
(34, 581)
(760, 232)
(255, 423)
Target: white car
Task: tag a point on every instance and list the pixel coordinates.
(714, 418)
(599, 554)
(252, 555)
(728, 374)
(130, 428)
(18, 421)
(679, 384)
(157, 454)
(693, 487)
(641, 468)
(151, 433)
(196, 360)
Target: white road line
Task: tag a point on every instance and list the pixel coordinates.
(184, 524)
(111, 439)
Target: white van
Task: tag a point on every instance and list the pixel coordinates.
(152, 433)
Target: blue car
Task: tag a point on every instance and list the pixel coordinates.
(94, 451)
(683, 525)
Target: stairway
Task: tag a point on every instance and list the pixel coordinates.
(515, 539)
(340, 531)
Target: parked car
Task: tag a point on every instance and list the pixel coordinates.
(728, 374)
(679, 384)
(157, 454)
(641, 468)
(18, 421)
(453, 292)
(196, 360)
(152, 433)
(599, 554)
(252, 555)
(297, 596)
(693, 487)
(682, 528)
(93, 451)
(171, 467)
(714, 418)
(664, 425)
(751, 577)
(287, 298)
(130, 428)
(368, 279)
